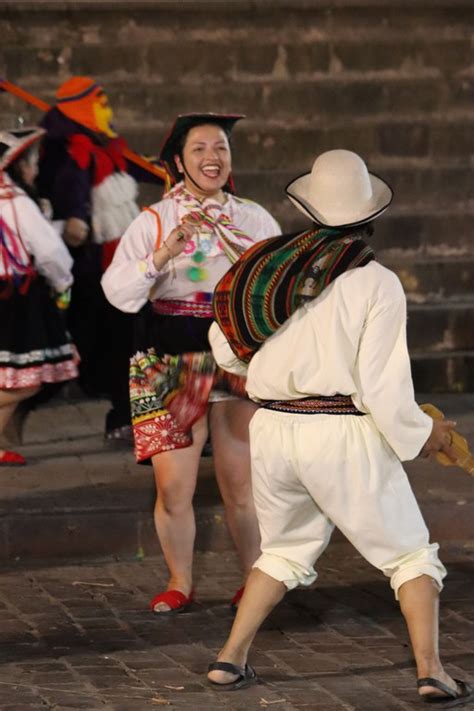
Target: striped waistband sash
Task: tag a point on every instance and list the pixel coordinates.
(169, 307)
(315, 405)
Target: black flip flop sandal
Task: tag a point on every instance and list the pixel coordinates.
(453, 697)
(246, 676)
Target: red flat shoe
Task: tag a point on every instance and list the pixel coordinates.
(234, 603)
(12, 459)
(176, 600)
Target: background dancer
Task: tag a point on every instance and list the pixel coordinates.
(35, 278)
(93, 191)
(173, 255)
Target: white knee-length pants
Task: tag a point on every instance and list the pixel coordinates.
(311, 473)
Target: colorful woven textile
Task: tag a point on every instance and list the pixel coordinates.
(212, 216)
(276, 276)
(168, 395)
(175, 307)
(315, 405)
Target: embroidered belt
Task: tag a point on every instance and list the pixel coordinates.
(315, 405)
(168, 307)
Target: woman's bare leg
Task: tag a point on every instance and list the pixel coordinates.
(229, 423)
(175, 477)
(9, 400)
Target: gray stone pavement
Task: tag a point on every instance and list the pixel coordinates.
(80, 636)
(81, 562)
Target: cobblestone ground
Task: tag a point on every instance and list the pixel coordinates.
(79, 636)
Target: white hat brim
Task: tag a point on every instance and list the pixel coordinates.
(382, 195)
(26, 137)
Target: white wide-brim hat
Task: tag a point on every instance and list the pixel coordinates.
(339, 191)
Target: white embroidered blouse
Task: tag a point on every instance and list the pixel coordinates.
(39, 240)
(131, 278)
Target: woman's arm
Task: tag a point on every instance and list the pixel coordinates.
(43, 243)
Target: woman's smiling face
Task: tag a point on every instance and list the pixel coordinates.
(207, 160)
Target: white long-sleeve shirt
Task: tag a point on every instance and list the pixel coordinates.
(40, 240)
(131, 280)
(350, 340)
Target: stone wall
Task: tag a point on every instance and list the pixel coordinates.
(390, 79)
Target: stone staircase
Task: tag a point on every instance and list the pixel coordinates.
(390, 79)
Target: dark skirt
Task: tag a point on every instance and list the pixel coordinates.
(35, 346)
(171, 335)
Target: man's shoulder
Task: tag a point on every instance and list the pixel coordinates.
(376, 279)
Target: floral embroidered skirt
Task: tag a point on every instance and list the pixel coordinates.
(173, 377)
(35, 346)
(169, 394)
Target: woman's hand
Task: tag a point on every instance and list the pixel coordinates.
(75, 232)
(174, 244)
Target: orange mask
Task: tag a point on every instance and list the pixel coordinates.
(84, 101)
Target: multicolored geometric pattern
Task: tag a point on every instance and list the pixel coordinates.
(169, 394)
(275, 277)
(315, 405)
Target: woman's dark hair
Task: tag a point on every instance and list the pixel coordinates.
(15, 173)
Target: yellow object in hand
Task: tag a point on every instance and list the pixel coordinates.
(464, 458)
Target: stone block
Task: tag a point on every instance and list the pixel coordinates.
(106, 60)
(403, 139)
(342, 95)
(443, 374)
(441, 328)
(448, 234)
(163, 101)
(439, 185)
(435, 280)
(448, 55)
(382, 53)
(20, 63)
(308, 59)
(452, 137)
(461, 91)
(197, 62)
(397, 232)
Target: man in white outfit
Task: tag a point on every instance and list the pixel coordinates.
(338, 414)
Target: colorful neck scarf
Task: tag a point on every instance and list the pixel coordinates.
(266, 286)
(211, 215)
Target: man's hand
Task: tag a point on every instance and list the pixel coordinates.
(75, 232)
(440, 439)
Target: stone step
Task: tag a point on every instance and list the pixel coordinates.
(423, 188)
(324, 96)
(264, 144)
(76, 498)
(254, 57)
(441, 328)
(444, 372)
(436, 280)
